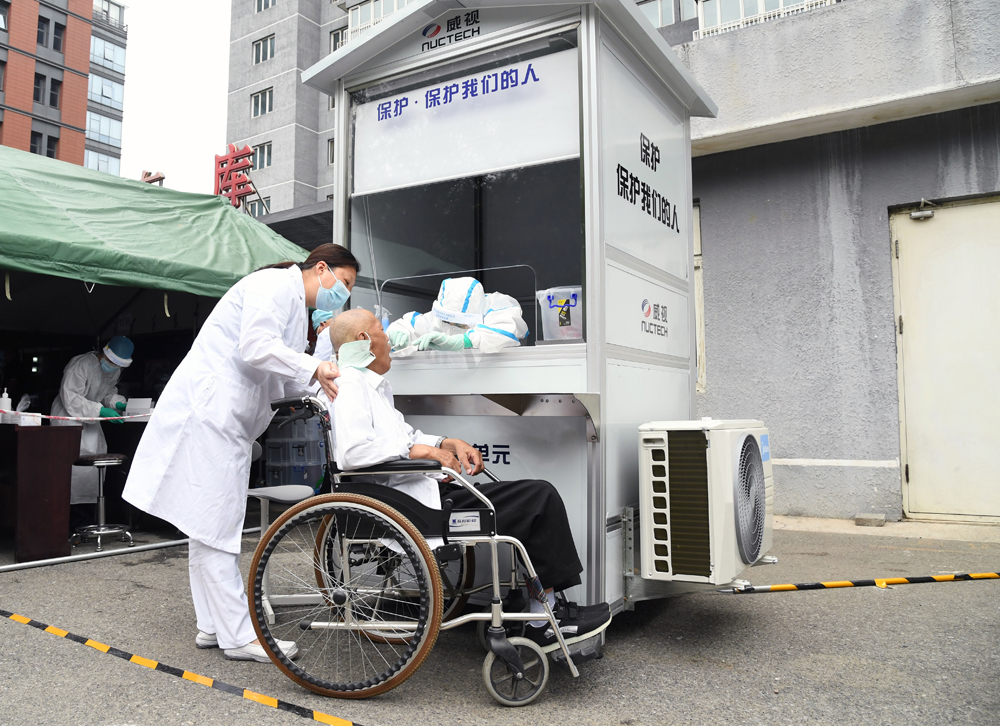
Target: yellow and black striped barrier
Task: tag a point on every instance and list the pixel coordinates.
(186, 675)
(878, 582)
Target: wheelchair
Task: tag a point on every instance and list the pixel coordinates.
(351, 578)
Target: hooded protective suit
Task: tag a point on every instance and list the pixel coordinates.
(192, 466)
(85, 388)
(491, 322)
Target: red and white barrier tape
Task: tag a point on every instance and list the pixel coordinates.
(78, 418)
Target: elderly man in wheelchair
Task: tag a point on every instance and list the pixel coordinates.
(355, 577)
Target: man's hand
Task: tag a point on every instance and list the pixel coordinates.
(470, 456)
(325, 374)
(446, 458)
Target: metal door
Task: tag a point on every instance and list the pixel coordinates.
(946, 275)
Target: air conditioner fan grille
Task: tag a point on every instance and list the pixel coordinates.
(749, 500)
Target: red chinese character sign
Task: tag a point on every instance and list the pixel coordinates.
(231, 180)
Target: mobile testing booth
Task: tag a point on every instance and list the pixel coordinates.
(538, 145)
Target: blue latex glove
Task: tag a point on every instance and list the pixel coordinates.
(120, 406)
(443, 341)
(399, 339)
(112, 414)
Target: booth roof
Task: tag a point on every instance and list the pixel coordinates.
(624, 15)
(64, 220)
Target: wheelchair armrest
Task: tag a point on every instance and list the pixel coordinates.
(397, 466)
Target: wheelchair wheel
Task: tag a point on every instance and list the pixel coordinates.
(326, 575)
(508, 690)
(512, 629)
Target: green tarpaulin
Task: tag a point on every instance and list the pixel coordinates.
(61, 219)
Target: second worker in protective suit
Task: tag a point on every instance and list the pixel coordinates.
(463, 316)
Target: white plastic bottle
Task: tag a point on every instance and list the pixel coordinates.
(7, 405)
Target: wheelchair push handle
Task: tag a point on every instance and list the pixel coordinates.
(309, 402)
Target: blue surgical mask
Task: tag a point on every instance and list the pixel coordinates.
(108, 366)
(333, 298)
(356, 354)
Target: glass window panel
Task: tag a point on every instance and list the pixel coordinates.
(750, 8)
(39, 94)
(366, 13)
(730, 10)
(666, 12)
(43, 32)
(58, 33)
(355, 16)
(377, 9)
(51, 147)
(771, 5)
(652, 11)
(689, 10)
(710, 9)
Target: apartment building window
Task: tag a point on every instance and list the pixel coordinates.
(262, 102)
(43, 32)
(258, 207)
(39, 96)
(4, 11)
(114, 13)
(263, 50)
(689, 10)
(330, 151)
(107, 54)
(722, 12)
(659, 12)
(55, 90)
(58, 36)
(36, 143)
(101, 162)
(51, 147)
(263, 5)
(261, 156)
(337, 38)
(3, 74)
(105, 91)
(104, 129)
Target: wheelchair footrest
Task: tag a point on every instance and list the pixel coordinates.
(589, 649)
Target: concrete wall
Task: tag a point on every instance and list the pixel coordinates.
(799, 318)
(845, 66)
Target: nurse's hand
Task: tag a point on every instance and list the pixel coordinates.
(470, 456)
(325, 374)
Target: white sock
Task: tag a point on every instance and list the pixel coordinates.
(536, 607)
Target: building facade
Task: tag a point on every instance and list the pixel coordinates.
(106, 88)
(47, 79)
(830, 122)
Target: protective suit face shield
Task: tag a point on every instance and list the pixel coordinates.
(356, 354)
(330, 299)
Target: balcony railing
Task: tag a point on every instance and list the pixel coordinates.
(359, 30)
(746, 22)
(103, 17)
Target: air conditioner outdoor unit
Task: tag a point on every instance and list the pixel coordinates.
(706, 499)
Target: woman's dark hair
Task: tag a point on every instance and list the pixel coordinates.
(333, 255)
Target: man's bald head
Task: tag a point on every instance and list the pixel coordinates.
(350, 324)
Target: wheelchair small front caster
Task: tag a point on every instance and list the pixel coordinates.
(503, 684)
(512, 628)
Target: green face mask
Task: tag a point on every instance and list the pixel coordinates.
(356, 354)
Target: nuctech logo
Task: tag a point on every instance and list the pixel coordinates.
(657, 324)
(431, 30)
(647, 309)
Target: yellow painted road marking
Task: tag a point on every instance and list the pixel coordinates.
(20, 618)
(333, 720)
(100, 646)
(57, 631)
(260, 698)
(198, 679)
(143, 661)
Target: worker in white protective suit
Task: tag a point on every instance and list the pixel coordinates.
(321, 324)
(89, 389)
(192, 466)
(462, 316)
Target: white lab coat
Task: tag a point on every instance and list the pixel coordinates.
(85, 388)
(192, 466)
(502, 326)
(324, 346)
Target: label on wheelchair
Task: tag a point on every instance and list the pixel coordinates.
(464, 522)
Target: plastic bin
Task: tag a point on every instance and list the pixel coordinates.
(562, 313)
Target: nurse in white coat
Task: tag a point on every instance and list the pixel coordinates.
(192, 466)
(462, 316)
(89, 389)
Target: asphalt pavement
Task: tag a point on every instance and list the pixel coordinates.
(913, 654)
